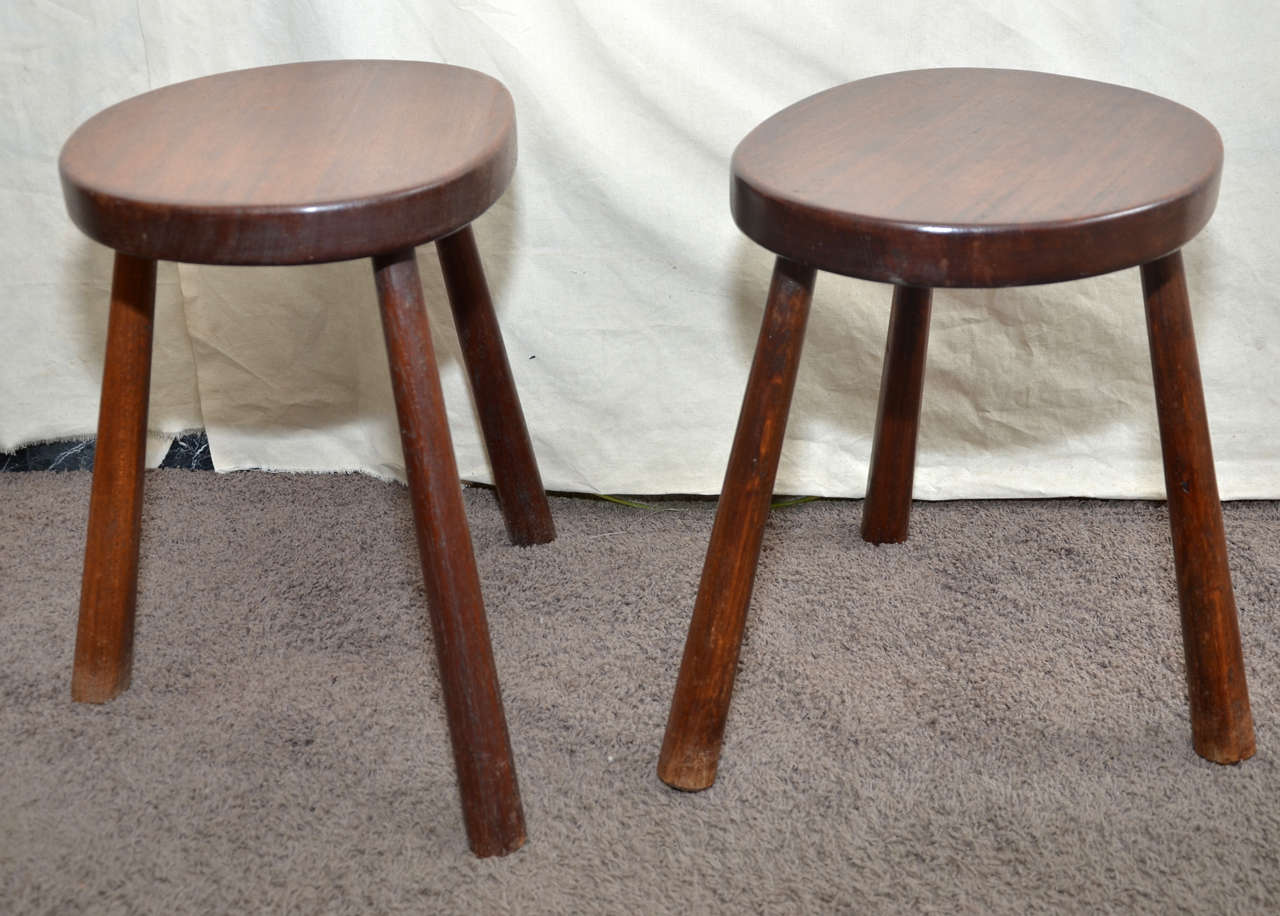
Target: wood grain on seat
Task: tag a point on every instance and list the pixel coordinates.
(977, 178)
(306, 162)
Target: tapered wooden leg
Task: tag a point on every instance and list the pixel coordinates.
(695, 727)
(108, 591)
(1221, 721)
(887, 510)
(478, 729)
(515, 470)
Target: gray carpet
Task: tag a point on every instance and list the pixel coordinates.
(990, 718)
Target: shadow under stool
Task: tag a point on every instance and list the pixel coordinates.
(979, 179)
(300, 164)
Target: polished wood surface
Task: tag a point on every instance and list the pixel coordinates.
(1221, 719)
(886, 511)
(315, 162)
(481, 747)
(506, 438)
(978, 178)
(318, 161)
(700, 707)
(961, 178)
(108, 591)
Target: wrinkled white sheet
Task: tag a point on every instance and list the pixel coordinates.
(628, 299)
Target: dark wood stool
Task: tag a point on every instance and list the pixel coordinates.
(300, 164)
(966, 178)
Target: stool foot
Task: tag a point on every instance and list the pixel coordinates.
(478, 729)
(887, 510)
(695, 726)
(108, 591)
(515, 469)
(1221, 721)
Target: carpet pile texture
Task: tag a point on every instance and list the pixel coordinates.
(991, 717)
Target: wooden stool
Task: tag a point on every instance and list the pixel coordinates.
(299, 164)
(966, 178)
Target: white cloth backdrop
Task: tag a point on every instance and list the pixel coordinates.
(628, 299)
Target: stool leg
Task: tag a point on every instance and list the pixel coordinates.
(515, 470)
(109, 589)
(1221, 722)
(887, 510)
(695, 726)
(473, 702)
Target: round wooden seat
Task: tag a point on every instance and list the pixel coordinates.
(306, 162)
(977, 178)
